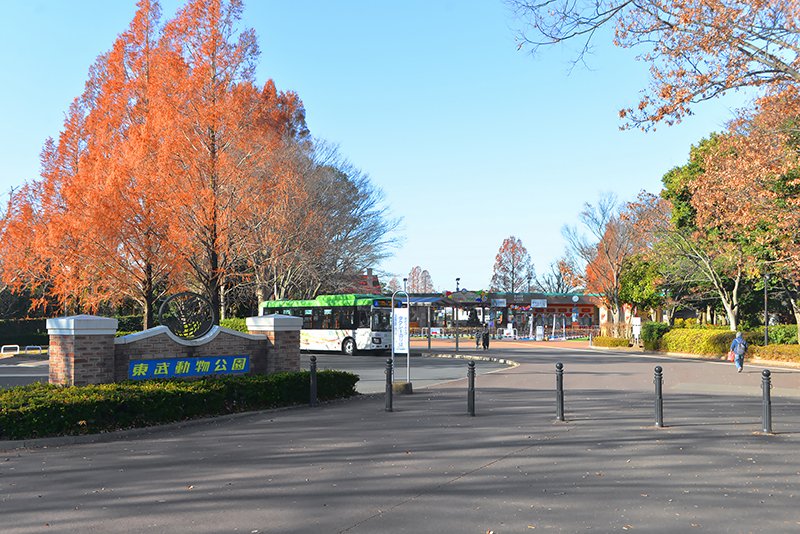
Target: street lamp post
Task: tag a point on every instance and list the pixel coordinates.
(766, 315)
(530, 314)
(404, 283)
(455, 311)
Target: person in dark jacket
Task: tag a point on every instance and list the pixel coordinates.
(486, 339)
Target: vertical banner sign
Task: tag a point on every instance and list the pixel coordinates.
(400, 329)
(636, 323)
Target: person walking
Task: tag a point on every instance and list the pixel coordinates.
(478, 338)
(486, 339)
(738, 347)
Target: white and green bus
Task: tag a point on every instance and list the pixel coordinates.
(348, 323)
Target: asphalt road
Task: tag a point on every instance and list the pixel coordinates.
(20, 370)
(425, 371)
(351, 467)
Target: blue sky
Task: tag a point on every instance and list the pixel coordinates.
(470, 139)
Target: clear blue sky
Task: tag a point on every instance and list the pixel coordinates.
(470, 139)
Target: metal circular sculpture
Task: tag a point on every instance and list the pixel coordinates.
(187, 315)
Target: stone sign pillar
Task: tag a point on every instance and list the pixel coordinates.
(283, 340)
(81, 350)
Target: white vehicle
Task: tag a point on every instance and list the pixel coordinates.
(349, 323)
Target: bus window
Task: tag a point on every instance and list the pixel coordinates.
(381, 320)
(346, 318)
(308, 319)
(317, 318)
(328, 322)
(363, 319)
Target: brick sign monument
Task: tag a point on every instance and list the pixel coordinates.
(84, 350)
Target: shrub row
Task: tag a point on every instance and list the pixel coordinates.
(783, 353)
(780, 334)
(34, 331)
(684, 323)
(692, 323)
(607, 341)
(700, 341)
(24, 332)
(131, 323)
(234, 324)
(41, 410)
(652, 332)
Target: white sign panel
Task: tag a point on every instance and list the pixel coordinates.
(498, 303)
(539, 333)
(538, 303)
(400, 329)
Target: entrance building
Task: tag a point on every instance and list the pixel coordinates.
(517, 315)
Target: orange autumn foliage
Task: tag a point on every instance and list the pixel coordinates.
(751, 173)
(696, 49)
(163, 172)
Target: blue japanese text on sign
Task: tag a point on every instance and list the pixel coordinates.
(400, 329)
(188, 367)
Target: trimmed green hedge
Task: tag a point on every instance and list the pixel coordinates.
(701, 341)
(130, 323)
(34, 331)
(652, 332)
(780, 334)
(606, 341)
(41, 410)
(781, 353)
(24, 332)
(234, 323)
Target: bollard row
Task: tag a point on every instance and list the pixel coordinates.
(471, 388)
(312, 394)
(766, 414)
(658, 381)
(389, 373)
(559, 391)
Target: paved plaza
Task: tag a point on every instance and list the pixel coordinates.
(428, 466)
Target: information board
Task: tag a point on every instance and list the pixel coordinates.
(400, 329)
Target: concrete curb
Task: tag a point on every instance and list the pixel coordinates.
(492, 359)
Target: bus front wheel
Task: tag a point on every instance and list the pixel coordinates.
(349, 346)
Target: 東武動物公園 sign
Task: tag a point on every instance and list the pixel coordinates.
(188, 367)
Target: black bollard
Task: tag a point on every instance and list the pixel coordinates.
(312, 397)
(766, 416)
(559, 391)
(471, 388)
(658, 380)
(389, 373)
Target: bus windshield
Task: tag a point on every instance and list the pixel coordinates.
(381, 320)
